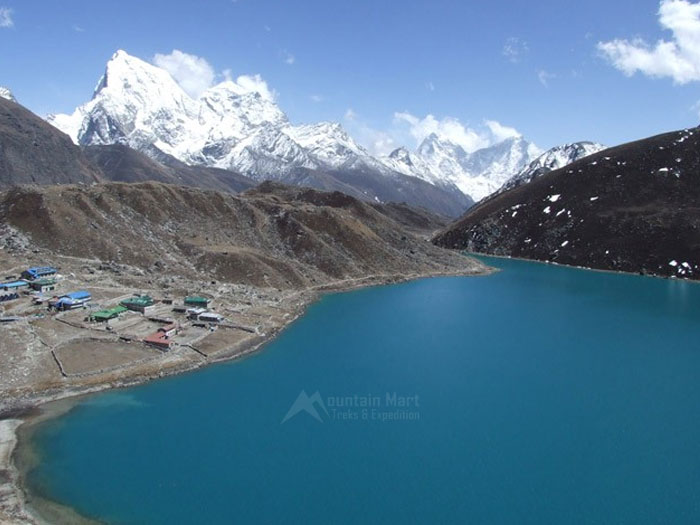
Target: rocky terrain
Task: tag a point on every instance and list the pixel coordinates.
(120, 163)
(632, 208)
(274, 235)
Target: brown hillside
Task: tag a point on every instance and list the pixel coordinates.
(270, 236)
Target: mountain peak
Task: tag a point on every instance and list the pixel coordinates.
(125, 69)
(229, 88)
(433, 140)
(122, 60)
(120, 54)
(435, 148)
(400, 154)
(440, 160)
(550, 160)
(116, 67)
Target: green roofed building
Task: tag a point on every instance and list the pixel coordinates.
(138, 303)
(106, 315)
(196, 300)
(43, 285)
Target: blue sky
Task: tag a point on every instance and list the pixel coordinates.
(538, 67)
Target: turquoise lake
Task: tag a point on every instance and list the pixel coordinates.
(539, 394)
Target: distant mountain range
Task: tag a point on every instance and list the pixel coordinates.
(140, 125)
(234, 127)
(477, 174)
(35, 152)
(630, 208)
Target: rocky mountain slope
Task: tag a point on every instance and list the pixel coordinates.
(273, 235)
(120, 163)
(631, 208)
(416, 220)
(240, 128)
(33, 152)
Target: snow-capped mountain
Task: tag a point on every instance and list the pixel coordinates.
(138, 104)
(403, 161)
(477, 174)
(234, 126)
(7, 94)
(550, 160)
(228, 126)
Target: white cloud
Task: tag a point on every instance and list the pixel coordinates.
(501, 132)
(193, 73)
(316, 98)
(430, 86)
(381, 143)
(288, 57)
(514, 49)
(377, 142)
(409, 130)
(350, 114)
(6, 17)
(449, 128)
(678, 58)
(253, 84)
(78, 29)
(545, 76)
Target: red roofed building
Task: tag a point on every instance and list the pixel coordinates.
(160, 340)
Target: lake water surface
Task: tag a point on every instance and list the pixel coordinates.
(539, 394)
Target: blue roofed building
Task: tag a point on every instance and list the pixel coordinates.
(13, 285)
(38, 272)
(71, 300)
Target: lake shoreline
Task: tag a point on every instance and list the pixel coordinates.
(578, 267)
(19, 418)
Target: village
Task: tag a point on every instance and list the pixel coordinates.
(78, 328)
(43, 279)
